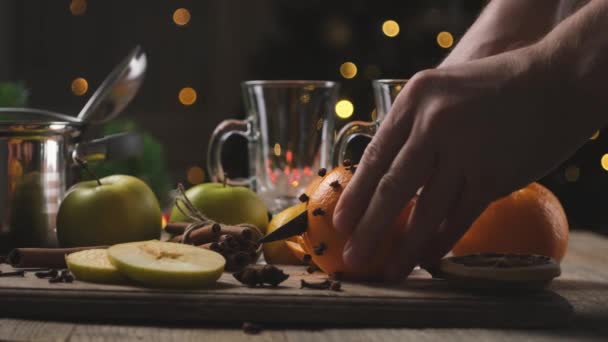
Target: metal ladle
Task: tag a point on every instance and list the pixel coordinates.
(117, 90)
(112, 96)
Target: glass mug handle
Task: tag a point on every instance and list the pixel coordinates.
(347, 133)
(219, 136)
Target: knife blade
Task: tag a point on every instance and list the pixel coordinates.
(295, 226)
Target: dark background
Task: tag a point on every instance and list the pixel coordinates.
(46, 44)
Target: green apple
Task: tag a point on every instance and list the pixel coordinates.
(167, 264)
(226, 204)
(116, 209)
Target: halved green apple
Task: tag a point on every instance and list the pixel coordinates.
(93, 265)
(167, 264)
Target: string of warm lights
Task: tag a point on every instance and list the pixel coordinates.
(344, 108)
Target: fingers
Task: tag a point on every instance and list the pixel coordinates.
(377, 158)
(394, 190)
(460, 219)
(433, 205)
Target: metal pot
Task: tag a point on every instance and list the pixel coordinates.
(37, 166)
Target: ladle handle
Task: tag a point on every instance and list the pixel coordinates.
(112, 147)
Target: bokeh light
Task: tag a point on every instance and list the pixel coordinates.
(305, 98)
(79, 86)
(277, 149)
(195, 175)
(187, 96)
(445, 39)
(605, 161)
(344, 109)
(181, 17)
(390, 28)
(288, 156)
(348, 70)
(78, 7)
(595, 135)
(572, 173)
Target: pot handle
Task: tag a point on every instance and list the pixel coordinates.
(112, 147)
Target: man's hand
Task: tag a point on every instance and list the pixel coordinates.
(472, 132)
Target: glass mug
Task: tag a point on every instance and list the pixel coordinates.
(290, 132)
(385, 92)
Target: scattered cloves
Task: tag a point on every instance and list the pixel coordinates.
(303, 198)
(312, 268)
(46, 274)
(324, 285)
(320, 248)
(318, 212)
(347, 162)
(335, 184)
(322, 172)
(306, 258)
(67, 276)
(335, 286)
(56, 279)
(20, 273)
(251, 328)
(254, 275)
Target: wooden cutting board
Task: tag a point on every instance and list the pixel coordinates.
(418, 302)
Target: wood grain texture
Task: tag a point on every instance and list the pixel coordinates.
(584, 284)
(419, 302)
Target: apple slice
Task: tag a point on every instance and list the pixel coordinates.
(167, 264)
(94, 266)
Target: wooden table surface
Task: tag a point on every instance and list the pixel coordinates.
(584, 283)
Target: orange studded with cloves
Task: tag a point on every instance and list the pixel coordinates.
(327, 244)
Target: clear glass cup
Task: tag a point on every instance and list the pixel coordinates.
(290, 131)
(385, 92)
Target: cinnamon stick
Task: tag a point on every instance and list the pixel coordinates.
(238, 231)
(43, 257)
(176, 228)
(200, 235)
(229, 241)
(214, 246)
(237, 260)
